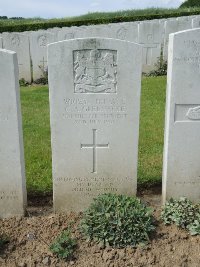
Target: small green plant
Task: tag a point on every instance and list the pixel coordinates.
(64, 245)
(22, 82)
(194, 228)
(43, 80)
(118, 221)
(160, 67)
(183, 213)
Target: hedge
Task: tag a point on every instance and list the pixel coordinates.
(66, 23)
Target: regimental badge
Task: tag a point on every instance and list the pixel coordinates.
(194, 113)
(95, 71)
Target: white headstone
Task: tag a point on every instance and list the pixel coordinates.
(172, 26)
(38, 45)
(20, 44)
(150, 37)
(12, 172)
(94, 101)
(181, 169)
(1, 42)
(196, 22)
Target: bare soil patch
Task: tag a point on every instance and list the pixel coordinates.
(31, 236)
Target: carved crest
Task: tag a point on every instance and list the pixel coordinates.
(95, 71)
(194, 113)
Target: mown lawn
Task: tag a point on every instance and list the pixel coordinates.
(36, 127)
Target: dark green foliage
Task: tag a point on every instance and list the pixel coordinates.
(22, 82)
(64, 245)
(95, 18)
(190, 3)
(3, 241)
(183, 213)
(161, 68)
(118, 221)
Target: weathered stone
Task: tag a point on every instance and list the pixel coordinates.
(150, 37)
(20, 44)
(94, 100)
(12, 172)
(181, 168)
(38, 46)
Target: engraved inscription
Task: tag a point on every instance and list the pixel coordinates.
(95, 111)
(8, 195)
(94, 147)
(122, 33)
(187, 113)
(95, 71)
(194, 113)
(42, 41)
(92, 186)
(3, 117)
(15, 41)
(69, 35)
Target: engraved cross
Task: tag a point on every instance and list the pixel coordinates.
(43, 63)
(94, 147)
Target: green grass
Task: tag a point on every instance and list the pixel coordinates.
(151, 130)
(36, 126)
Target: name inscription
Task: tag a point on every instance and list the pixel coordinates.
(98, 110)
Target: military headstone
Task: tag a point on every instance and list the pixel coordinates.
(150, 37)
(1, 42)
(12, 172)
(94, 104)
(172, 26)
(181, 169)
(38, 45)
(20, 44)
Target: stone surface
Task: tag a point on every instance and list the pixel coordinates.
(196, 22)
(12, 172)
(20, 44)
(172, 26)
(94, 105)
(181, 169)
(1, 42)
(150, 37)
(38, 47)
(123, 31)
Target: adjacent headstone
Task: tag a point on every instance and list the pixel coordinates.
(94, 105)
(1, 42)
(123, 31)
(196, 22)
(150, 37)
(38, 45)
(20, 44)
(12, 172)
(172, 26)
(181, 169)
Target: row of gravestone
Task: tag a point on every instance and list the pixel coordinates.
(94, 87)
(31, 47)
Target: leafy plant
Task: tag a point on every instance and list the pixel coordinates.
(64, 245)
(160, 67)
(43, 80)
(183, 213)
(118, 221)
(194, 228)
(22, 82)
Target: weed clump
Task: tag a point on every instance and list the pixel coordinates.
(64, 245)
(183, 213)
(117, 221)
